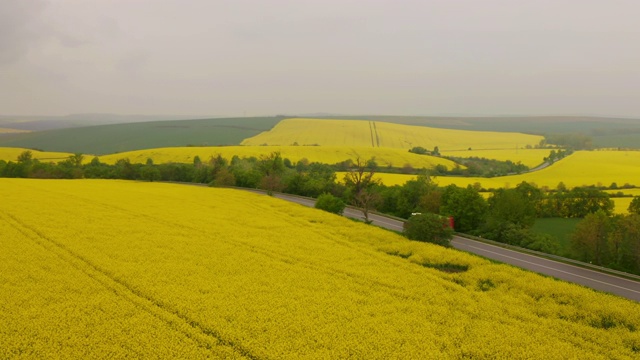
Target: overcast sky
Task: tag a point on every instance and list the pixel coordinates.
(258, 57)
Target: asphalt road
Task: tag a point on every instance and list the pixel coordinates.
(590, 278)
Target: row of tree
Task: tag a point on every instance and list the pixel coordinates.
(610, 241)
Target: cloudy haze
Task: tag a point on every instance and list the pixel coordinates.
(254, 57)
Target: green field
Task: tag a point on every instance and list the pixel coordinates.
(107, 139)
(559, 228)
(631, 141)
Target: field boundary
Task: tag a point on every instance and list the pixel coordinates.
(467, 236)
(496, 243)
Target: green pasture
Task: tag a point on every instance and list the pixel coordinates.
(560, 229)
(107, 139)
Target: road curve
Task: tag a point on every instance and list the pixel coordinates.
(629, 289)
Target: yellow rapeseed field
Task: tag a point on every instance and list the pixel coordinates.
(622, 205)
(114, 269)
(381, 134)
(325, 154)
(11, 154)
(528, 157)
(581, 168)
(12, 131)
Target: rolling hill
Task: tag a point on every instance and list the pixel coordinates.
(106, 139)
(382, 134)
(582, 168)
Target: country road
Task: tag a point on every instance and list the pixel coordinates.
(590, 278)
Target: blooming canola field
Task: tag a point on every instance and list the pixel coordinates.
(11, 154)
(12, 131)
(98, 268)
(379, 134)
(582, 168)
(529, 157)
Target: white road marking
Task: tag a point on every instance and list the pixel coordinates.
(459, 240)
(554, 269)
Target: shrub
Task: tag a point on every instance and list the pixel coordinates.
(330, 203)
(429, 228)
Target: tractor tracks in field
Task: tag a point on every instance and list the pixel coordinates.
(192, 329)
(291, 260)
(375, 139)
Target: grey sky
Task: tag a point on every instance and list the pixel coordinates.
(211, 57)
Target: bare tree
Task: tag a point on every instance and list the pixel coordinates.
(362, 186)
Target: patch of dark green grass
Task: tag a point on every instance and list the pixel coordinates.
(559, 228)
(108, 139)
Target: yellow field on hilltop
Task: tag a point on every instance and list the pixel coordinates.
(12, 131)
(328, 155)
(114, 269)
(580, 168)
(633, 192)
(622, 205)
(381, 134)
(528, 157)
(11, 154)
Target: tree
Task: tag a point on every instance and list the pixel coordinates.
(362, 187)
(412, 192)
(245, 171)
(150, 173)
(634, 206)
(466, 205)
(512, 206)
(271, 183)
(589, 239)
(624, 243)
(419, 150)
(272, 167)
(561, 186)
(76, 159)
(330, 203)
(431, 201)
(123, 169)
(25, 157)
(223, 177)
(511, 214)
(583, 201)
(429, 228)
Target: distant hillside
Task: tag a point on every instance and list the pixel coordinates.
(381, 134)
(107, 139)
(525, 124)
(41, 123)
(605, 131)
